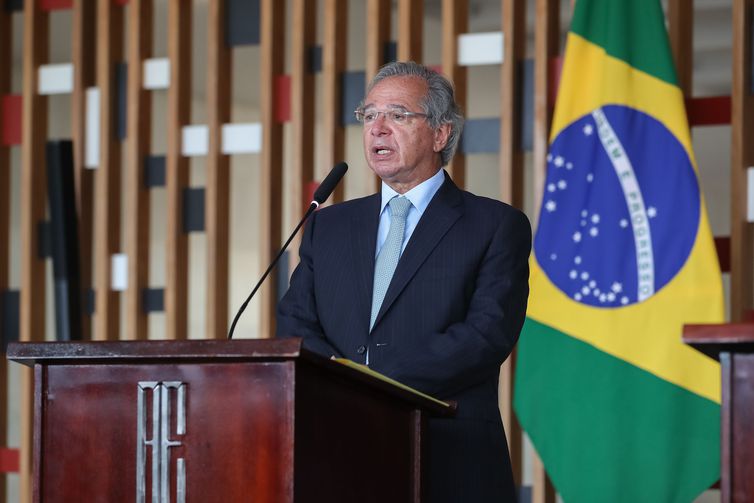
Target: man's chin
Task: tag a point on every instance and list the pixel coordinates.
(386, 171)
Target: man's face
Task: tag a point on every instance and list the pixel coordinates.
(402, 155)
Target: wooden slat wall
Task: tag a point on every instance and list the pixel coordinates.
(410, 30)
(511, 96)
(139, 131)
(271, 66)
(108, 177)
(742, 158)
(546, 47)
(378, 35)
(84, 67)
(333, 66)
(455, 22)
(33, 209)
(302, 109)
(5, 192)
(217, 191)
(177, 168)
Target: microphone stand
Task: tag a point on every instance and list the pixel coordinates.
(313, 206)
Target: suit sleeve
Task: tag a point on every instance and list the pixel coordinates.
(471, 351)
(297, 311)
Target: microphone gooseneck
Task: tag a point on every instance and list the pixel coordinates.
(320, 196)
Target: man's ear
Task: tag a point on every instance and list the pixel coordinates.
(442, 134)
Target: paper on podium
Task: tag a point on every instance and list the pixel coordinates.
(366, 370)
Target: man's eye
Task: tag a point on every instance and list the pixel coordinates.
(398, 117)
(369, 116)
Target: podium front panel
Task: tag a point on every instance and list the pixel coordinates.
(210, 432)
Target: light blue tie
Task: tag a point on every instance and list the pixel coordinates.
(387, 258)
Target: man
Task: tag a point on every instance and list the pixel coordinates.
(424, 282)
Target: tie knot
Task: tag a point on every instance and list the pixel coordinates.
(399, 207)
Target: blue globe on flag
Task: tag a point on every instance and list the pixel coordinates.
(620, 210)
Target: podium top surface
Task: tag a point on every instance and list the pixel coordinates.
(213, 349)
(719, 338)
(207, 351)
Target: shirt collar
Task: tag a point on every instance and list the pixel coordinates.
(420, 196)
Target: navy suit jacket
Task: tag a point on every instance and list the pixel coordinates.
(451, 315)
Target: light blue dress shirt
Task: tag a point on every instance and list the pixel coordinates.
(420, 196)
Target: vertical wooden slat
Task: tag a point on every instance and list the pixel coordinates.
(33, 208)
(378, 36)
(84, 67)
(217, 191)
(177, 168)
(681, 34)
(410, 30)
(333, 66)
(455, 21)
(302, 108)
(108, 178)
(511, 92)
(512, 186)
(272, 65)
(5, 167)
(546, 47)
(138, 144)
(742, 158)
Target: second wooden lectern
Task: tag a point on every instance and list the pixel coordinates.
(733, 345)
(225, 421)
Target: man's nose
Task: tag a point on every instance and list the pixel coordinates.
(380, 126)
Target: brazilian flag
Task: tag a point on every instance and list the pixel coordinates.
(618, 408)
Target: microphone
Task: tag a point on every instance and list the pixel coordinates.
(320, 196)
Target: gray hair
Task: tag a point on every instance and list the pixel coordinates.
(439, 104)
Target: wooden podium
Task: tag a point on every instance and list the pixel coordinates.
(224, 421)
(733, 345)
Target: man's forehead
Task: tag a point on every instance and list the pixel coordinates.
(398, 91)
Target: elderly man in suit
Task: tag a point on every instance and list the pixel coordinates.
(423, 282)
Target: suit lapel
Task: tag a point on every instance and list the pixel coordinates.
(444, 209)
(364, 231)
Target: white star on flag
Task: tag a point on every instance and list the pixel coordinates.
(616, 287)
(593, 232)
(588, 129)
(559, 161)
(550, 187)
(623, 223)
(576, 237)
(651, 212)
(551, 206)
(562, 184)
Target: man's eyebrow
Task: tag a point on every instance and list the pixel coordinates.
(391, 105)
